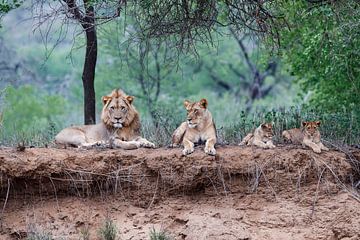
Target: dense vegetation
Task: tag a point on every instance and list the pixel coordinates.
(309, 70)
(322, 51)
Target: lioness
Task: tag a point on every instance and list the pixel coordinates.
(261, 137)
(119, 126)
(199, 126)
(308, 135)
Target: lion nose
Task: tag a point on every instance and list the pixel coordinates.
(189, 119)
(118, 118)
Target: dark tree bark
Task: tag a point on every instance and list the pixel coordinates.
(88, 22)
(253, 84)
(88, 76)
(256, 91)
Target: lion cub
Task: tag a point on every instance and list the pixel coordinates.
(308, 135)
(199, 126)
(261, 137)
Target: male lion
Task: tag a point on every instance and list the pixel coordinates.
(261, 137)
(120, 126)
(308, 135)
(199, 126)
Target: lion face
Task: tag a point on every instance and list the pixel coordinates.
(117, 111)
(311, 127)
(267, 130)
(195, 112)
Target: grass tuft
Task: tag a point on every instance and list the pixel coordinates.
(85, 233)
(108, 231)
(36, 234)
(159, 235)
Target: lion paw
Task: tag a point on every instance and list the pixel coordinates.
(148, 145)
(317, 150)
(138, 144)
(92, 145)
(210, 151)
(188, 151)
(325, 148)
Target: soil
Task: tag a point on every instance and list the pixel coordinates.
(241, 193)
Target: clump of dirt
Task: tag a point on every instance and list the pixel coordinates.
(241, 193)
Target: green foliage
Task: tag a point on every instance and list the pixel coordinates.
(337, 128)
(30, 116)
(131, 65)
(167, 117)
(7, 5)
(159, 235)
(108, 231)
(322, 49)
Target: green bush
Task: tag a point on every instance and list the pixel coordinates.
(30, 116)
(338, 128)
(158, 235)
(321, 49)
(108, 231)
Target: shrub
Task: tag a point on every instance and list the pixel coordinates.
(108, 230)
(158, 235)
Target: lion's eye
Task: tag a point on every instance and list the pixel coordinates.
(196, 111)
(123, 109)
(112, 108)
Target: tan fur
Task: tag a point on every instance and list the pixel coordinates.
(261, 137)
(308, 135)
(198, 127)
(119, 126)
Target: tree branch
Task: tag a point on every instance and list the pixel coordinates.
(237, 73)
(217, 80)
(267, 90)
(116, 14)
(243, 49)
(74, 10)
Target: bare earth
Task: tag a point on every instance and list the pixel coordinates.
(242, 193)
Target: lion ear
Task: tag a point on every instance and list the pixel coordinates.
(204, 103)
(304, 124)
(265, 125)
(106, 99)
(318, 123)
(130, 99)
(187, 104)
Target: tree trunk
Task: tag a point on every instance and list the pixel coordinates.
(88, 75)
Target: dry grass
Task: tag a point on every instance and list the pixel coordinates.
(36, 233)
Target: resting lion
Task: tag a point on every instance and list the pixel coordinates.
(120, 126)
(199, 126)
(261, 137)
(308, 135)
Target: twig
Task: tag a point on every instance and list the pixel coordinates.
(6, 199)
(55, 192)
(156, 188)
(316, 193)
(352, 194)
(221, 175)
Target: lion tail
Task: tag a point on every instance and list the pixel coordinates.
(246, 139)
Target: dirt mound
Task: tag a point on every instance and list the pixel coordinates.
(241, 193)
(233, 169)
